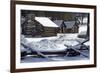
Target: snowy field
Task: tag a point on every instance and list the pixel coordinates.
(53, 44)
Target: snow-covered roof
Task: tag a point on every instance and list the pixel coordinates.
(69, 24)
(58, 22)
(46, 22)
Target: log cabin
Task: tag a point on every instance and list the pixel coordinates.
(33, 26)
(44, 27)
(67, 26)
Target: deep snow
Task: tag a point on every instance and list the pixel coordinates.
(52, 43)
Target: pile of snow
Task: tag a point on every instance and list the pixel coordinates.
(46, 45)
(67, 39)
(53, 45)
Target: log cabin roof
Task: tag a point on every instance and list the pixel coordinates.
(46, 22)
(69, 24)
(58, 22)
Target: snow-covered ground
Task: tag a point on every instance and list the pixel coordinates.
(52, 43)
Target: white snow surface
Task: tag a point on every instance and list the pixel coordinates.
(39, 39)
(47, 45)
(85, 20)
(82, 28)
(45, 22)
(52, 44)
